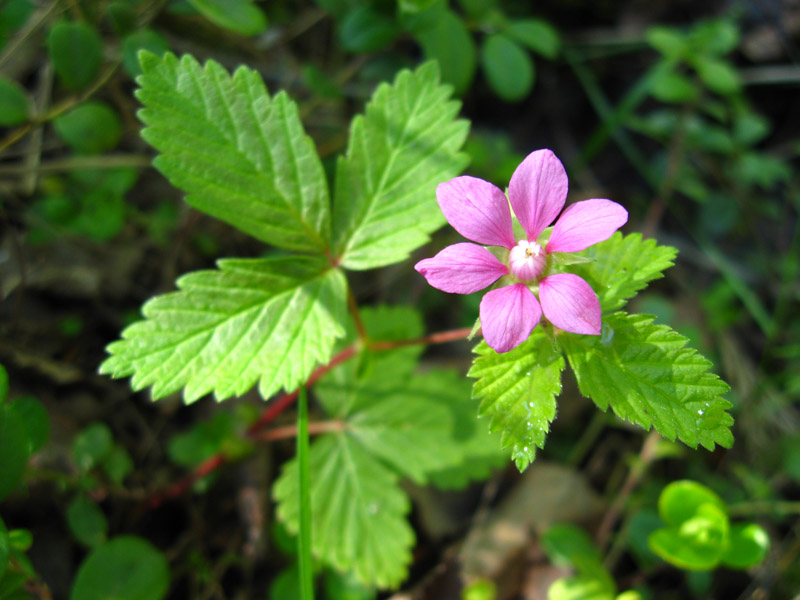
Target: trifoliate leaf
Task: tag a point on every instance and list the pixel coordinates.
(266, 320)
(240, 155)
(357, 511)
(518, 390)
(405, 144)
(647, 376)
(621, 266)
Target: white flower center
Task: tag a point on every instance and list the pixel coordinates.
(527, 261)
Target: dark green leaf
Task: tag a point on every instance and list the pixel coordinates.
(647, 376)
(14, 446)
(5, 548)
(14, 104)
(91, 446)
(508, 68)
(537, 35)
(145, 39)
(750, 128)
(446, 40)
(87, 522)
(122, 17)
(124, 568)
(240, 155)
(366, 29)
(240, 16)
(405, 144)
(748, 545)
(118, 464)
(33, 415)
(621, 266)
(270, 321)
(3, 385)
(345, 587)
(90, 128)
(285, 585)
(76, 51)
(518, 391)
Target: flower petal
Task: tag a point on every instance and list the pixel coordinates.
(570, 304)
(462, 269)
(477, 210)
(586, 223)
(508, 315)
(537, 191)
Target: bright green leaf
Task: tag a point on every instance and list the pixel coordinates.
(668, 40)
(718, 37)
(697, 544)
(76, 51)
(748, 545)
(366, 29)
(33, 415)
(673, 87)
(124, 568)
(240, 16)
(270, 321)
(446, 40)
(87, 522)
(537, 35)
(518, 391)
(90, 128)
(405, 144)
(590, 586)
(718, 75)
(681, 500)
(621, 266)
(14, 446)
(357, 511)
(568, 545)
(20, 539)
(240, 155)
(647, 376)
(91, 445)
(144, 39)
(508, 68)
(14, 104)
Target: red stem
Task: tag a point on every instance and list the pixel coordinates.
(283, 402)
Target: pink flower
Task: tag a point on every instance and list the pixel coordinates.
(479, 211)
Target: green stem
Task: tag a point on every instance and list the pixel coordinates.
(304, 538)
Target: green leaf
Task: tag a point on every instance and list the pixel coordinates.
(122, 17)
(3, 384)
(118, 464)
(697, 544)
(14, 104)
(647, 376)
(403, 146)
(91, 445)
(5, 548)
(145, 39)
(125, 568)
(509, 70)
(518, 390)
(567, 545)
(33, 415)
(202, 442)
(446, 40)
(750, 127)
(589, 586)
(14, 446)
(366, 29)
(718, 37)
(748, 545)
(668, 40)
(621, 266)
(673, 87)
(681, 500)
(537, 35)
(718, 75)
(240, 155)
(76, 51)
(240, 16)
(357, 511)
(90, 128)
(345, 587)
(270, 321)
(87, 522)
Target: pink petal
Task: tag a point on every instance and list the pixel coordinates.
(586, 223)
(537, 191)
(570, 304)
(477, 209)
(462, 269)
(508, 315)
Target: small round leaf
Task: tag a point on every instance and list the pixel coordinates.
(91, 445)
(87, 522)
(76, 51)
(537, 35)
(674, 88)
(697, 544)
(146, 39)
(568, 545)
(748, 545)
(118, 464)
(122, 17)
(448, 42)
(14, 104)
(509, 69)
(365, 29)
(91, 128)
(34, 416)
(681, 500)
(240, 16)
(125, 568)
